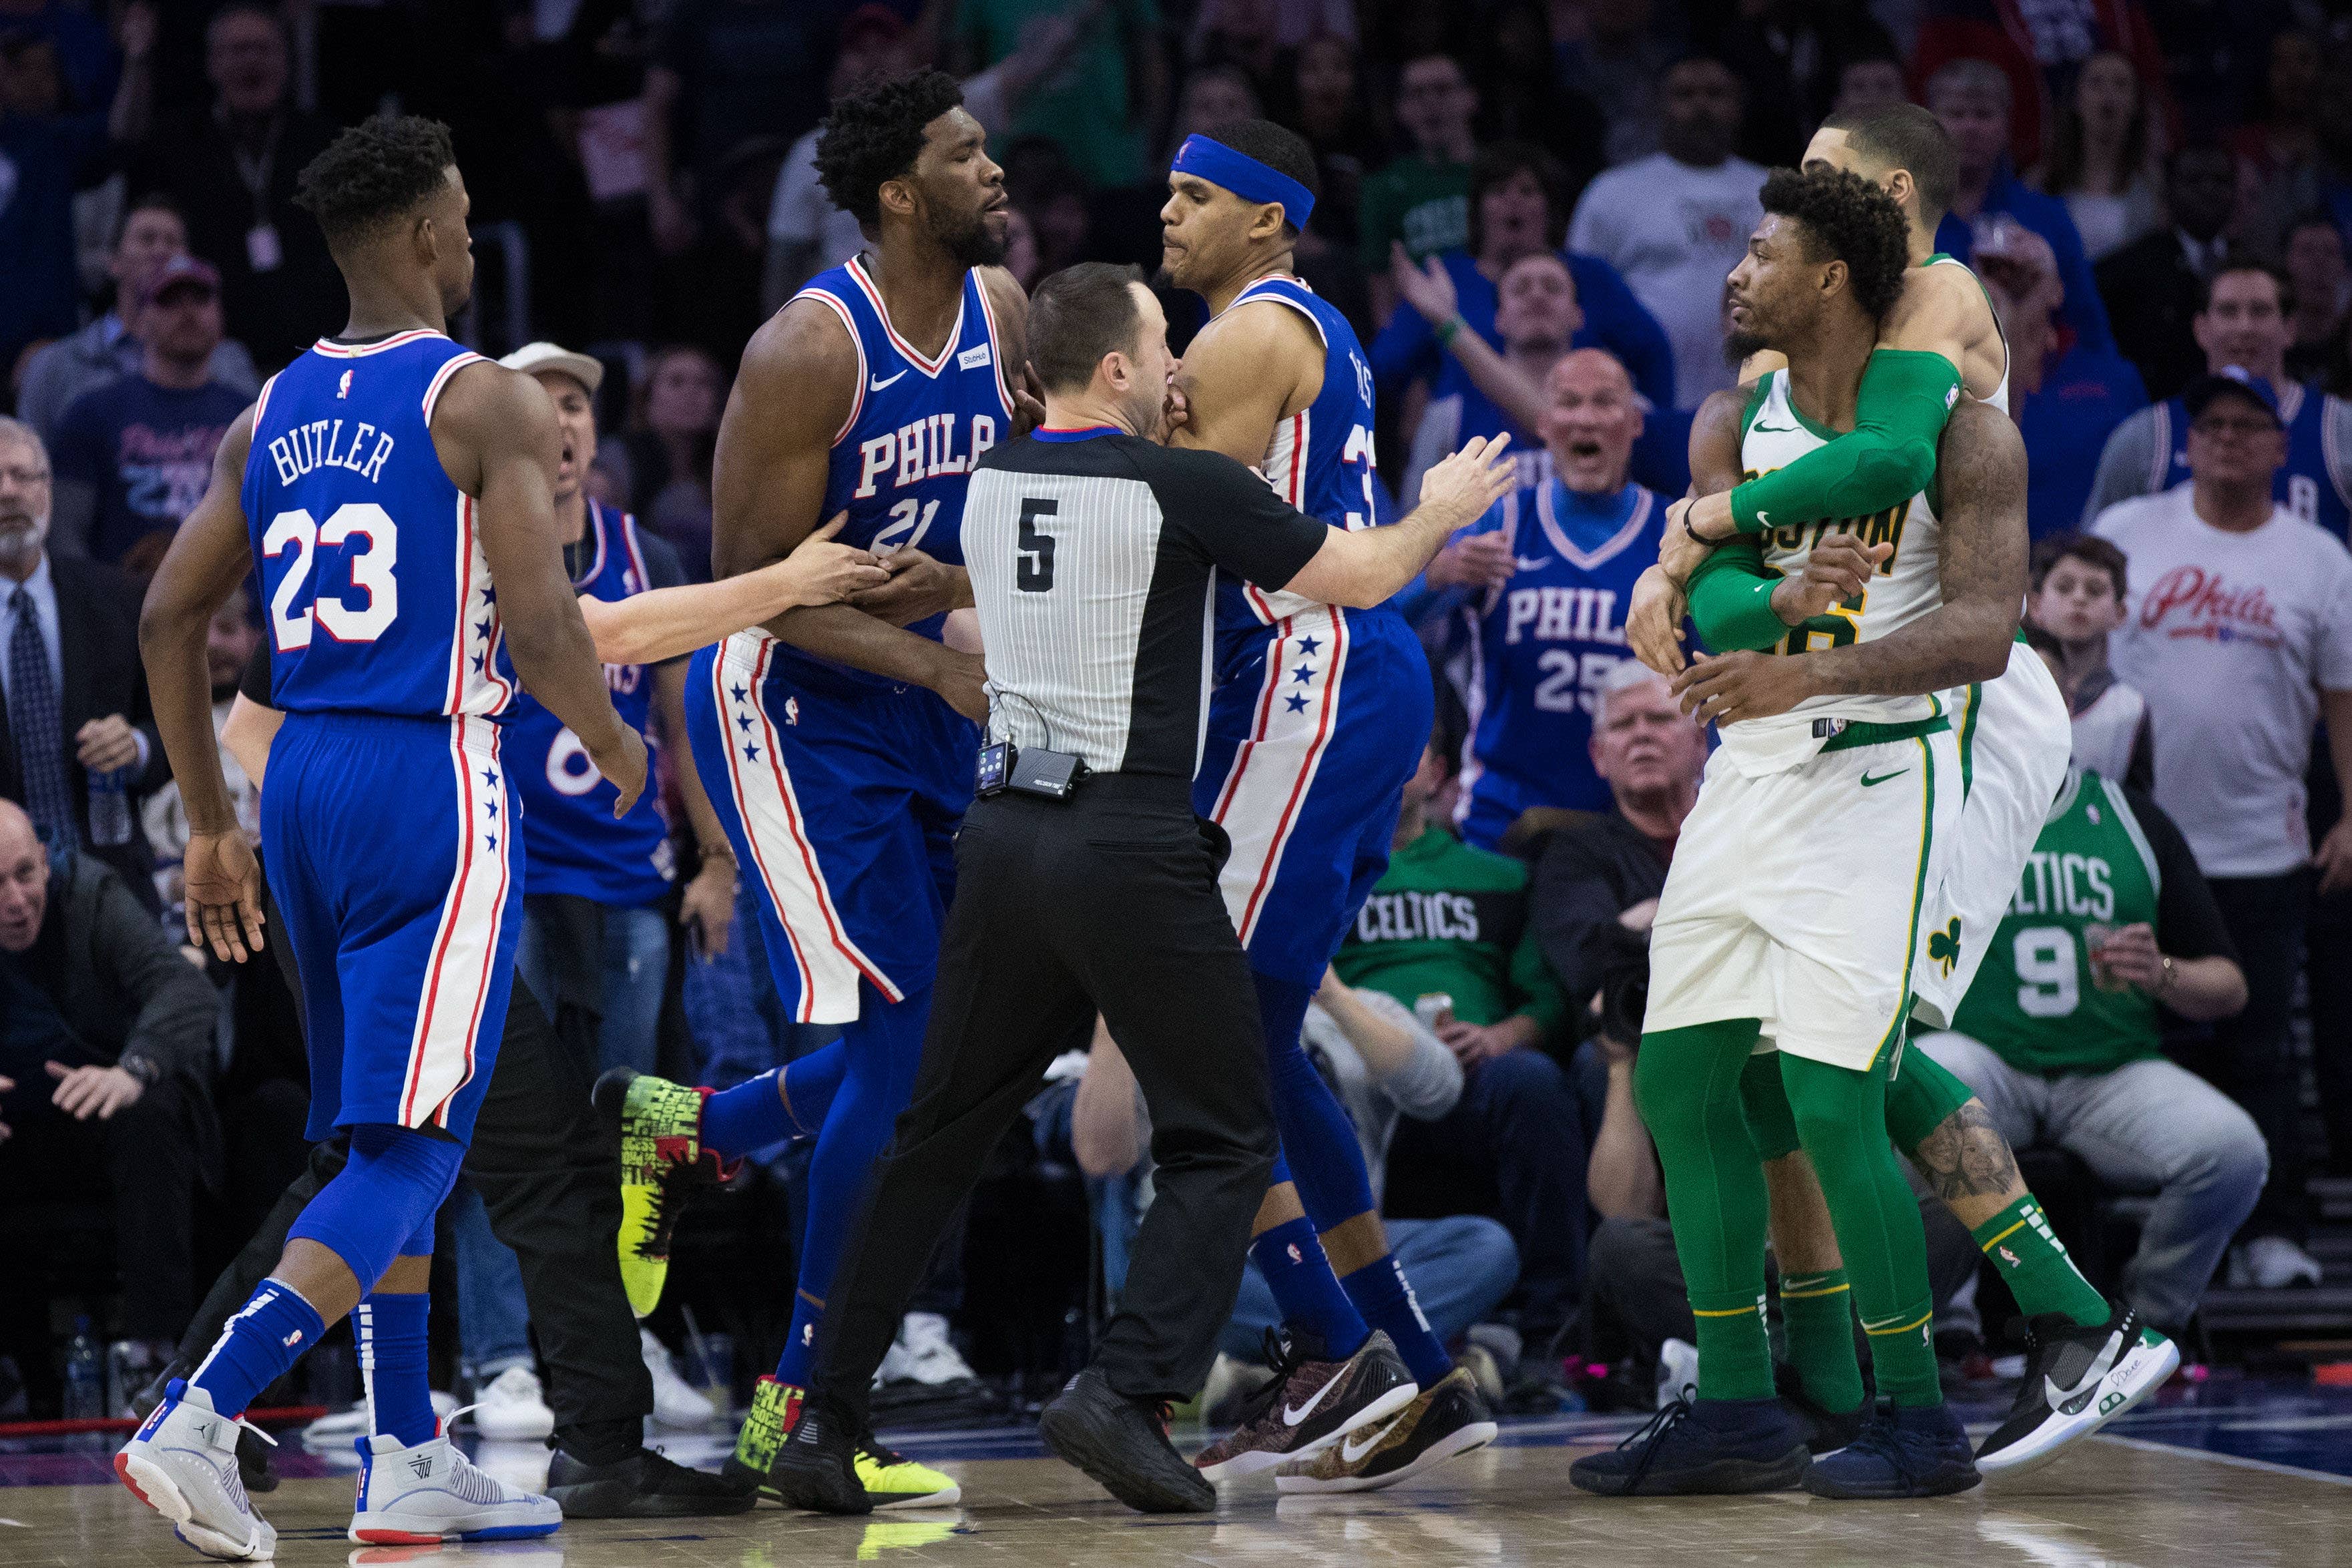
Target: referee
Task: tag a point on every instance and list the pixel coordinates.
(1086, 883)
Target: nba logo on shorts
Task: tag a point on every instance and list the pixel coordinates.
(1295, 1255)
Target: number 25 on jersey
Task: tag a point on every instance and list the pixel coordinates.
(369, 543)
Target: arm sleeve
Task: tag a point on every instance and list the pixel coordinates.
(1430, 1082)
(2124, 464)
(2187, 922)
(1889, 456)
(1731, 598)
(1234, 517)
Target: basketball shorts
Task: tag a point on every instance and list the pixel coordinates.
(1805, 899)
(2015, 737)
(842, 800)
(390, 844)
(1310, 740)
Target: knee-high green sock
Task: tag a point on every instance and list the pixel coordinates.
(2036, 1268)
(1764, 1102)
(1686, 1084)
(1817, 1311)
(1842, 1119)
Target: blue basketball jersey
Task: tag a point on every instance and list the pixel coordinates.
(376, 595)
(2305, 487)
(575, 842)
(1320, 461)
(900, 464)
(1543, 645)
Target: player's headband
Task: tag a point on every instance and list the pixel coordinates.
(1244, 176)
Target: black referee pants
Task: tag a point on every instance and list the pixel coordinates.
(1107, 902)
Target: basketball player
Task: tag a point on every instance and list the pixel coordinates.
(1940, 338)
(1805, 892)
(837, 744)
(388, 820)
(1320, 715)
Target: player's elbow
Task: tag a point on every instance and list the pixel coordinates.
(1896, 467)
(169, 619)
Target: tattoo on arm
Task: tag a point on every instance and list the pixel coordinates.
(1965, 1157)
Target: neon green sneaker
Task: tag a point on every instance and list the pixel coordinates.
(890, 1480)
(662, 1164)
(893, 1481)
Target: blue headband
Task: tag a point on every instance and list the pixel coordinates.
(1244, 176)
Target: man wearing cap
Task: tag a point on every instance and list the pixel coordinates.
(133, 456)
(2238, 626)
(2245, 320)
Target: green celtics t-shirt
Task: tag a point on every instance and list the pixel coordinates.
(1425, 204)
(1452, 920)
(2106, 858)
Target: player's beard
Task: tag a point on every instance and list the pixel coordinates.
(1737, 346)
(971, 244)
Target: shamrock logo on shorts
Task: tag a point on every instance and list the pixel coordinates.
(1944, 947)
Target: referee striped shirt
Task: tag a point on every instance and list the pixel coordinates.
(1094, 558)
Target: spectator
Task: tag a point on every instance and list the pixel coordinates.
(723, 72)
(2154, 285)
(2061, 1036)
(664, 461)
(229, 644)
(2314, 264)
(1549, 574)
(1330, 112)
(109, 1049)
(2037, 50)
(1382, 1064)
(1521, 96)
(1673, 225)
(135, 455)
(1867, 86)
(1244, 36)
(1972, 99)
(1616, 55)
(1536, 317)
(78, 727)
(2272, 146)
(2104, 160)
(2076, 600)
(1516, 212)
(2066, 398)
(1103, 104)
(2239, 633)
(232, 172)
(1791, 57)
(1446, 929)
(2243, 330)
(1422, 200)
(150, 234)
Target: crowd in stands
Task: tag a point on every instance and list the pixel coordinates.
(1529, 208)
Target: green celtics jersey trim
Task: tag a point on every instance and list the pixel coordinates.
(2039, 1002)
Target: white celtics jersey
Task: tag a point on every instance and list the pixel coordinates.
(1905, 587)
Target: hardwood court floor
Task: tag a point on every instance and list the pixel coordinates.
(2115, 1501)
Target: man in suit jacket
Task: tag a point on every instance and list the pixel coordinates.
(73, 693)
(2155, 285)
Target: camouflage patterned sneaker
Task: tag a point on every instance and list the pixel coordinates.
(662, 1164)
(1442, 1422)
(1311, 1404)
(890, 1480)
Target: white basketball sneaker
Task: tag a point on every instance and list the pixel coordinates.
(414, 1496)
(676, 1403)
(182, 1462)
(512, 1409)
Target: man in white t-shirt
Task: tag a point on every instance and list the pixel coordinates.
(1676, 223)
(2239, 631)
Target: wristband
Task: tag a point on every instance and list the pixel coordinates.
(1448, 331)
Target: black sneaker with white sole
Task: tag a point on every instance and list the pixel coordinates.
(1123, 1444)
(1311, 1404)
(1440, 1422)
(2077, 1381)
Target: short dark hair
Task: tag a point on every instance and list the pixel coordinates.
(152, 201)
(1078, 316)
(1846, 218)
(373, 173)
(875, 134)
(2098, 554)
(1500, 163)
(1905, 136)
(2278, 277)
(1280, 149)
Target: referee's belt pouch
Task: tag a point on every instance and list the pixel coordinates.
(1027, 771)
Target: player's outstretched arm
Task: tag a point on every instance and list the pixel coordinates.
(497, 435)
(209, 557)
(1366, 566)
(671, 622)
(797, 389)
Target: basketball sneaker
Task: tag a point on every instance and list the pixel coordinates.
(1122, 1443)
(1440, 1422)
(2077, 1381)
(1310, 1404)
(511, 1408)
(430, 1492)
(886, 1480)
(1702, 1445)
(182, 1462)
(1915, 1451)
(663, 1165)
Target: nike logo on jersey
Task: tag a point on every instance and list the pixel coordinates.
(878, 384)
(1867, 781)
(1760, 428)
(1351, 1450)
(1292, 1417)
(1532, 563)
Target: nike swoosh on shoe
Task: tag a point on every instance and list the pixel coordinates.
(1292, 1417)
(1349, 1453)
